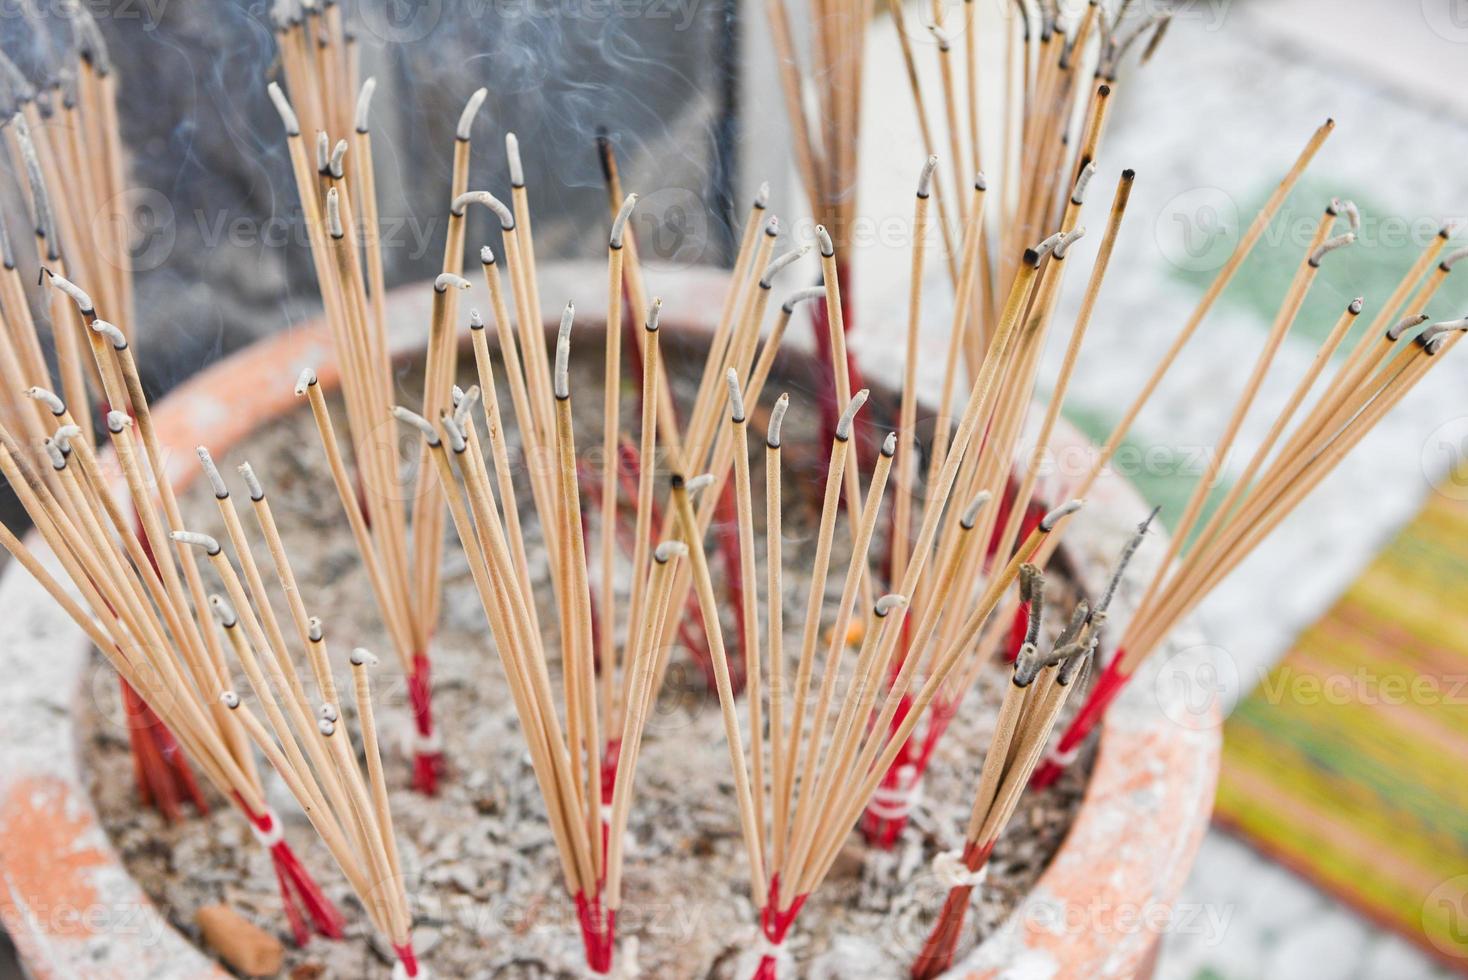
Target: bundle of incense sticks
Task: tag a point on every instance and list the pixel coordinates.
(142, 598)
(824, 768)
(585, 765)
(1057, 78)
(311, 751)
(1300, 449)
(1031, 706)
(62, 133)
(972, 550)
(400, 543)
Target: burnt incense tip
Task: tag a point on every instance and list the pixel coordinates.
(447, 279)
(925, 179)
(471, 109)
(1355, 306)
(562, 378)
(230, 700)
(777, 419)
(1434, 345)
(1067, 240)
(885, 604)
(762, 196)
(457, 441)
(970, 515)
(65, 435)
(779, 263)
(328, 711)
(945, 42)
(604, 154)
(364, 105)
(47, 398)
(512, 157)
(889, 445)
(801, 296)
(305, 380)
(668, 550)
(78, 295)
(314, 632)
(736, 397)
(362, 657)
(476, 320)
(1083, 180)
(1026, 665)
(1453, 259)
(1331, 245)
(654, 315)
(1048, 522)
(194, 539)
(1103, 90)
(283, 108)
(1128, 175)
(112, 333)
(485, 198)
(53, 451)
(823, 239)
(465, 405)
(117, 421)
(1147, 521)
(619, 223)
(701, 482)
(486, 255)
(1395, 331)
(772, 226)
(1031, 257)
(410, 417)
(338, 154)
(843, 424)
(326, 727)
(323, 152)
(1048, 244)
(1443, 327)
(216, 479)
(334, 214)
(252, 482)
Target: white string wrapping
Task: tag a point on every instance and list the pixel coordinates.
(953, 873)
(1060, 758)
(273, 836)
(420, 744)
(896, 802)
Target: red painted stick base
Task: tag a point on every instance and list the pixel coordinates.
(1107, 687)
(938, 951)
(775, 925)
(306, 907)
(164, 778)
(427, 762)
(598, 932)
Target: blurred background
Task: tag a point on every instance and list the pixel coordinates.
(687, 92)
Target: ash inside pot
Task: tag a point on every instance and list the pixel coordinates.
(483, 870)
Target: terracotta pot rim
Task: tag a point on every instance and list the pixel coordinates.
(1118, 852)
